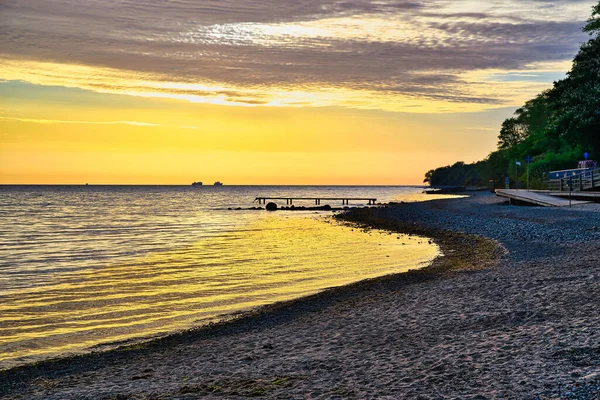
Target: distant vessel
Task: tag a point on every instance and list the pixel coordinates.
(197, 184)
(217, 183)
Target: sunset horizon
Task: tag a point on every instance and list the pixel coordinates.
(299, 199)
(324, 93)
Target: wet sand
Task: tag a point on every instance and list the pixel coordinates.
(510, 311)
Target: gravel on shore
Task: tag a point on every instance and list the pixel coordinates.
(510, 311)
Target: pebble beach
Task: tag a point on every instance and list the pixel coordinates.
(510, 310)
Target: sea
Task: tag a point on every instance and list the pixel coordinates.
(87, 268)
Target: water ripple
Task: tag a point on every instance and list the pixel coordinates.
(82, 266)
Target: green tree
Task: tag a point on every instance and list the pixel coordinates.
(593, 25)
(530, 120)
(512, 133)
(575, 100)
(555, 127)
(428, 176)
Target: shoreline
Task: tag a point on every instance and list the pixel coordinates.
(467, 257)
(454, 257)
(218, 320)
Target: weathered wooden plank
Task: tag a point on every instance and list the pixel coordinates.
(537, 198)
(317, 200)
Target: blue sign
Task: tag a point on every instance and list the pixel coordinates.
(528, 159)
(586, 156)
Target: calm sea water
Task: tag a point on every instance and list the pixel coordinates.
(90, 267)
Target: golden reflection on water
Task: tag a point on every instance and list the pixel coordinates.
(420, 197)
(272, 258)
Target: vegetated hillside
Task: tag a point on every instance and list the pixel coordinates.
(555, 128)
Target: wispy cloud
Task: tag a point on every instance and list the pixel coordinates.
(78, 122)
(394, 54)
(480, 128)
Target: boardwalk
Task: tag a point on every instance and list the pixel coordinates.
(536, 198)
(592, 196)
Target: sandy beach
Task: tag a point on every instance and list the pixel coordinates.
(510, 311)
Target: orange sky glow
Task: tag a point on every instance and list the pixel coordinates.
(321, 94)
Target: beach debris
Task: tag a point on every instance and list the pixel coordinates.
(271, 206)
(244, 387)
(138, 377)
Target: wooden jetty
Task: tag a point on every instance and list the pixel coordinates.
(592, 196)
(537, 198)
(317, 200)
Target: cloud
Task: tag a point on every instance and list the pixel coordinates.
(476, 128)
(243, 51)
(79, 122)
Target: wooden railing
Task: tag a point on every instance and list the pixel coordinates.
(587, 180)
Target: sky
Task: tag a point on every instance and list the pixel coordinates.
(268, 91)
